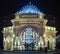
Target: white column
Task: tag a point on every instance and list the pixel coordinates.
(18, 39)
(4, 45)
(18, 43)
(46, 42)
(24, 36)
(54, 44)
(15, 42)
(12, 44)
(33, 34)
(41, 42)
(4, 41)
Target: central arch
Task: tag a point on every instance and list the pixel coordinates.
(29, 36)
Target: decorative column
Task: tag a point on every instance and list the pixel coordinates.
(46, 44)
(42, 34)
(11, 43)
(54, 44)
(38, 38)
(24, 36)
(19, 38)
(14, 42)
(4, 40)
(50, 45)
(15, 32)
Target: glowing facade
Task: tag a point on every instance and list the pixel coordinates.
(29, 31)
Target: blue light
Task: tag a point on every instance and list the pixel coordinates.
(29, 8)
(29, 39)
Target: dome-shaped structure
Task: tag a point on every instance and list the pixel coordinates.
(29, 8)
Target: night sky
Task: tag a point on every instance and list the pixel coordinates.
(9, 7)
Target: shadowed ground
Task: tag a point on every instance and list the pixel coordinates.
(30, 52)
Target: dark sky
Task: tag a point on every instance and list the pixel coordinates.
(9, 7)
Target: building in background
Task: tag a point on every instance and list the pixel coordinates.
(29, 31)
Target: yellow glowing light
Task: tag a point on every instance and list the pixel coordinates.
(39, 43)
(20, 47)
(4, 29)
(8, 41)
(48, 28)
(52, 28)
(37, 47)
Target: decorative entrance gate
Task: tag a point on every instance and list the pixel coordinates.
(29, 38)
(29, 31)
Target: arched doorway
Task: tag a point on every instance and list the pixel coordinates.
(29, 38)
(8, 41)
(29, 42)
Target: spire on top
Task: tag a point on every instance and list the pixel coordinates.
(29, 8)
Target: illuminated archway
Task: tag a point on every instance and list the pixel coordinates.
(8, 40)
(28, 35)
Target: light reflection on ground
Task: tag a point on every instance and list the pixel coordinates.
(29, 52)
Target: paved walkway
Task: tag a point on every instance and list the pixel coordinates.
(29, 52)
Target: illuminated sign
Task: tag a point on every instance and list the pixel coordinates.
(29, 16)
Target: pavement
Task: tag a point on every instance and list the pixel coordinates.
(30, 52)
